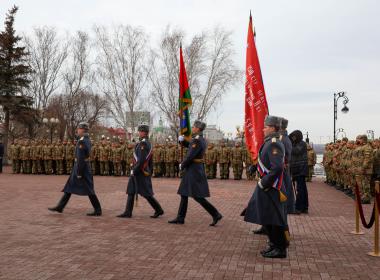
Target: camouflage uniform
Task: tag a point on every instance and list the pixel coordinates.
(210, 159)
(69, 156)
(171, 157)
(128, 155)
(157, 161)
(248, 162)
(327, 163)
(311, 161)
(364, 168)
(25, 158)
(236, 159)
(223, 160)
(47, 157)
(93, 157)
(59, 155)
(104, 158)
(117, 154)
(14, 155)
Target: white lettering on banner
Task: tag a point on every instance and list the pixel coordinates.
(250, 70)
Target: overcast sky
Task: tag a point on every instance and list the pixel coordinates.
(307, 49)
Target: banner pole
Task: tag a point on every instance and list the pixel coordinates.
(357, 230)
(376, 252)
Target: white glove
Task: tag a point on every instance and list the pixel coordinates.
(132, 172)
(180, 166)
(181, 138)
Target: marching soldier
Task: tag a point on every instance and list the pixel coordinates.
(236, 159)
(33, 156)
(13, 156)
(223, 160)
(194, 181)
(140, 182)
(266, 206)
(80, 181)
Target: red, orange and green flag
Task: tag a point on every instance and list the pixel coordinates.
(184, 99)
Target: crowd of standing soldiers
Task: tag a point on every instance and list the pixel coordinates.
(348, 163)
(110, 158)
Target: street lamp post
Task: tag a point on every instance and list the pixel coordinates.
(371, 134)
(51, 123)
(340, 130)
(345, 109)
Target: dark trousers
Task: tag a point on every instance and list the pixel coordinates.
(93, 199)
(201, 200)
(302, 201)
(151, 200)
(276, 235)
(1, 164)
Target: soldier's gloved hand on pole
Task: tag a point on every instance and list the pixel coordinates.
(132, 172)
(79, 176)
(252, 169)
(181, 138)
(262, 187)
(180, 167)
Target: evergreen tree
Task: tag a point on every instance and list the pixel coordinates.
(14, 71)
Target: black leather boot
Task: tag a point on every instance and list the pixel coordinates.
(96, 204)
(128, 208)
(61, 204)
(181, 211)
(275, 253)
(260, 231)
(156, 206)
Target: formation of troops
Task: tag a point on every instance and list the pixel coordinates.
(348, 163)
(110, 158)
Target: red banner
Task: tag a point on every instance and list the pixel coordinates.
(256, 106)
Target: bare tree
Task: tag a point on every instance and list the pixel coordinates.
(47, 55)
(77, 78)
(122, 67)
(220, 75)
(85, 106)
(209, 66)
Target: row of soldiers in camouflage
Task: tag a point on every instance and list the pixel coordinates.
(349, 162)
(106, 158)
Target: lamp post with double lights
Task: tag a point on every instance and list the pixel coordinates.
(344, 110)
(51, 123)
(371, 134)
(340, 130)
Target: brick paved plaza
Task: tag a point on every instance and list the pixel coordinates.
(38, 244)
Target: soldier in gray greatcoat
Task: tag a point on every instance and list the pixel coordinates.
(140, 181)
(81, 181)
(266, 206)
(194, 181)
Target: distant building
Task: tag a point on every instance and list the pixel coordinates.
(212, 134)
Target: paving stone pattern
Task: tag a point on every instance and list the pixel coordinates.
(38, 244)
